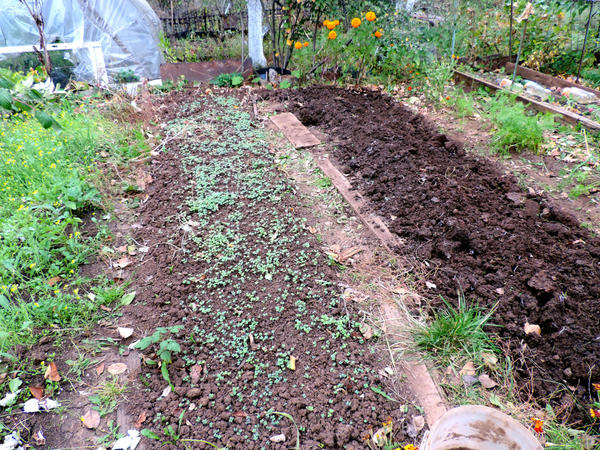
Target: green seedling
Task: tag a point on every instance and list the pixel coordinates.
(166, 348)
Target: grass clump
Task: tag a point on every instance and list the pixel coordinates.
(456, 333)
(515, 128)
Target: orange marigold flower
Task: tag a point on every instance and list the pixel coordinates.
(325, 22)
(336, 22)
(538, 426)
(596, 386)
(330, 25)
(356, 22)
(378, 34)
(447, 97)
(332, 35)
(298, 45)
(306, 43)
(595, 413)
(409, 88)
(289, 42)
(410, 447)
(371, 16)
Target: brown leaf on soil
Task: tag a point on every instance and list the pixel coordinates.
(91, 419)
(39, 438)
(99, 369)
(117, 368)
(195, 373)
(468, 369)
(52, 373)
(105, 308)
(486, 381)
(123, 262)
(37, 391)
(141, 420)
(240, 414)
(532, 329)
(292, 363)
(52, 281)
(122, 249)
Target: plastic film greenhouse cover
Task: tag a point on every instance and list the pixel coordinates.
(128, 31)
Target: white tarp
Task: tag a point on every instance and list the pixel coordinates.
(128, 31)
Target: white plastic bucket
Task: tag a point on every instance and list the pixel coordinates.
(478, 428)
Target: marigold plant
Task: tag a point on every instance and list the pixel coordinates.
(356, 22)
(332, 35)
(298, 45)
(370, 16)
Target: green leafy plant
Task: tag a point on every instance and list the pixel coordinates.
(126, 76)
(18, 96)
(228, 80)
(166, 347)
(515, 128)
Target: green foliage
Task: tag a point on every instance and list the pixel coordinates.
(18, 96)
(515, 128)
(126, 76)
(456, 334)
(228, 80)
(166, 347)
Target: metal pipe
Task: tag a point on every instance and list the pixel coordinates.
(519, 52)
(587, 29)
(510, 44)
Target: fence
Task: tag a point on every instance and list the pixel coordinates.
(205, 23)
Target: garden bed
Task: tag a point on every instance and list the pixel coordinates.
(264, 326)
(478, 231)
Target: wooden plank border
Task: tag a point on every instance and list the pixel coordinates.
(564, 115)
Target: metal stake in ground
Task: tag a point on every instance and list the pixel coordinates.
(511, 28)
(587, 29)
(524, 17)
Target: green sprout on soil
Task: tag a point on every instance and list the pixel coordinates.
(165, 350)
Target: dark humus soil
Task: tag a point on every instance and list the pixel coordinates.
(477, 228)
(231, 260)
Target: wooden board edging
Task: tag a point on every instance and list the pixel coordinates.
(563, 114)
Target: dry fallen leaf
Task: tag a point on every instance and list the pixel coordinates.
(532, 329)
(195, 373)
(122, 249)
(366, 331)
(486, 381)
(91, 419)
(99, 369)
(312, 230)
(52, 373)
(39, 438)
(117, 368)
(292, 363)
(141, 420)
(240, 414)
(489, 359)
(125, 332)
(37, 391)
(468, 369)
(123, 262)
(52, 281)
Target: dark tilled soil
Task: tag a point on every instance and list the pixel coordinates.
(252, 288)
(476, 228)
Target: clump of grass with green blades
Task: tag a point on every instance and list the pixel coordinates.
(456, 334)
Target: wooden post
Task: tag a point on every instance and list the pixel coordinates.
(587, 29)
